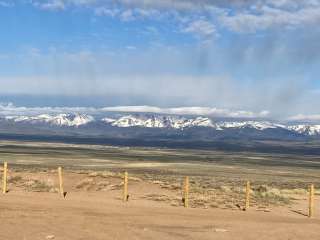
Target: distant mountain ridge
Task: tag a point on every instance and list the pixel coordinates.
(66, 119)
(158, 121)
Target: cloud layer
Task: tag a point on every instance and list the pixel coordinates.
(214, 112)
(239, 16)
(10, 109)
(236, 54)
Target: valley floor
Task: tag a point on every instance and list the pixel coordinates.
(37, 216)
(93, 208)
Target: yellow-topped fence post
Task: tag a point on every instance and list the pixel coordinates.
(125, 187)
(248, 189)
(4, 179)
(311, 201)
(61, 190)
(186, 192)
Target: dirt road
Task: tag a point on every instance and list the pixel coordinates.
(85, 215)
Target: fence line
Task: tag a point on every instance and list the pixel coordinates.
(185, 189)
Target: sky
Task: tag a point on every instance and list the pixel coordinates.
(257, 56)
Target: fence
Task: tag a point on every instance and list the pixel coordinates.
(185, 190)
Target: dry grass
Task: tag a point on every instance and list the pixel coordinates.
(36, 185)
(204, 192)
(15, 179)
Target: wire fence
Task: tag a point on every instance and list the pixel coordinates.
(234, 196)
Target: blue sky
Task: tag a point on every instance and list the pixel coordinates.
(242, 55)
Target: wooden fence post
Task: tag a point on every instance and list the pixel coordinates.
(186, 192)
(61, 191)
(311, 201)
(125, 187)
(248, 188)
(4, 179)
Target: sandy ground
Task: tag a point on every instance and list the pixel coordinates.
(102, 215)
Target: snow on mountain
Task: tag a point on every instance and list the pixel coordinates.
(250, 124)
(140, 121)
(305, 129)
(108, 120)
(181, 123)
(158, 122)
(70, 120)
(201, 122)
(162, 121)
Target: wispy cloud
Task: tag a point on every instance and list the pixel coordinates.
(305, 117)
(127, 15)
(239, 16)
(10, 109)
(214, 112)
(104, 11)
(201, 27)
(270, 17)
(7, 109)
(167, 77)
(51, 5)
(274, 68)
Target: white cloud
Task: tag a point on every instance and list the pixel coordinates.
(166, 4)
(127, 15)
(159, 76)
(103, 11)
(201, 27)
(214, 112)
(293, 4)
(7, 109)
(305, 117)
(51, 5)
(182, 5)
(240, 16)
(10, 109)
(270, 17)
(226, 77)
(63, 4)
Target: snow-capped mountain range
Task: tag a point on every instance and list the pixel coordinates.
(158, 121)
(70, 120)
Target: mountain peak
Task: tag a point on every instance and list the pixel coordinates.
(63, 119)
(147, 120)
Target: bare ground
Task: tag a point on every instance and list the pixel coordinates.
(93, 209)
(98, 216)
